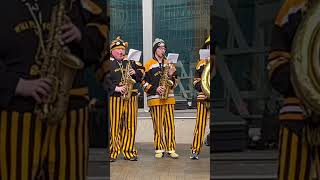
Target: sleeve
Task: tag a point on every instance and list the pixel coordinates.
(146, 82)
(140, 71)
(278, 62)
(8, 86)
(111, 84)
(103, 69)
(94, 30)
(174, 79)
(197, 77)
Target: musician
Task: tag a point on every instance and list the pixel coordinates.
(123, 112)
(297, 155)
(162, 110)
(31, 148)
(202, 110)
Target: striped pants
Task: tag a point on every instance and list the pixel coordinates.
(163, 120)
(123, 126)
(32, 150)
(200, 127)
(297, 160)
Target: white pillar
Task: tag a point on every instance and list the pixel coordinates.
(147, 15)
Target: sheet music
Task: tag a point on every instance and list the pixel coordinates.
(134, 55)
(204, 53)
(173, 58)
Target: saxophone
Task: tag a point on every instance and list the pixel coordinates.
(60, 66)
(127, 81)
(165, 81)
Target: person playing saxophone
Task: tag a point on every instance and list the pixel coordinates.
(298, 156)
(159, 83)
(202, 109)
(31, 148)
(123, 106)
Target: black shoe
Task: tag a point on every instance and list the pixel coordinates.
(194, 156)
(132, 159)
(112, 160)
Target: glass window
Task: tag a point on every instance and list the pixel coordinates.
(126, 21)
(184, 25)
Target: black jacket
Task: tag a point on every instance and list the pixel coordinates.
(19, 44)
(116, 75)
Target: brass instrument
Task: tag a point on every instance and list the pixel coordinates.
(128, 82)
(205, 82)
(165, 81)
(305, 64)
(60, 67)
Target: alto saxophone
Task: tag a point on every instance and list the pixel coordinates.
(127, 81)
(165, 81)
(60, 66)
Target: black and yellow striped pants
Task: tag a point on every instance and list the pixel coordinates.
(123, 126)
(32, 150)
(200, 127)
(163, 120)
(297, 160)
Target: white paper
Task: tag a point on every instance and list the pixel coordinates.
(134, 55)
(173, 58)
(204, 53)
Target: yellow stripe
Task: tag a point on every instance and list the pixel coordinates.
(52, 152)
(80, 142)
(25, 144)
(195, 131)
(171, 107)
(62, 141)
(293, 156)
(200, 134)
(284, 141)
(130, 127)
(45, 146)
(3, 144)
(113, 114)
(124, 129)
(91, 7)
(79, 91)
(303, 163)
(291, 116)
(156, 102)
(288, 6)
(160, 126)
(166, 123)
(72, 145)
(36, 149)
(149, 63)
(273, 65)
(86, 146)
(201, 62)
(292, 101)
(275, 54)
(14, 139)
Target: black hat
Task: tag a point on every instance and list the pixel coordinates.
(118, 43)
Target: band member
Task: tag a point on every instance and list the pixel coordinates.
(30, 147)
(297, 155)
(158, 75)
(202, 109)
(123, 107)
